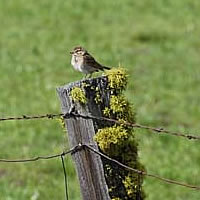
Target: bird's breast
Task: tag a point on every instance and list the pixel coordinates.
(76, 63)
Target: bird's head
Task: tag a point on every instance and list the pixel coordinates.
(78, 51)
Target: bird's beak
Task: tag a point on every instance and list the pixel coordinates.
(71, 52)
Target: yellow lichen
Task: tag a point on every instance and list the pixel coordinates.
(110, 135)
(96, 89)
(98, 97)
(130, 185)
(117, 78)
(118, 141)
(92, 87)
(122, 122)
(117, 103)
(122, 108)
(84, 85)
(106, 112)
(61, 121)
(78, 95)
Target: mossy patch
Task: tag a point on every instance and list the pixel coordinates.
(118, 103)
(98, 96)
(106, 112)
(61, 122)
(118, 141)
(110, 135)
(78, 95)
(117, 78)
(129, 183)
(120, 108)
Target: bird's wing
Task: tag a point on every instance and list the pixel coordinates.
(89, 60)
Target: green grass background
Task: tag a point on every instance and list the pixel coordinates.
(157, 41)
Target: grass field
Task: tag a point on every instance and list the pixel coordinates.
(157, 41)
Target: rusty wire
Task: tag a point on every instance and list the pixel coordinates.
(90, 148)
(134, 125)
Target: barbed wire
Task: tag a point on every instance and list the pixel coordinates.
(134, 125)
(34, 159)
(90, 148)
(170, 181)
(74, 149)
(27, 117)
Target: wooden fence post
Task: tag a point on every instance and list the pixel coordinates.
(99, 178)
(89, 165)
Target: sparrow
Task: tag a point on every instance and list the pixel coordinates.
(83, 61)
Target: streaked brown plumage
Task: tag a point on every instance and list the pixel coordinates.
(84, 62)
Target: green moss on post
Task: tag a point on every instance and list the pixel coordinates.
(78, 95)
(109, 136)
(117, 78)
(118, 142)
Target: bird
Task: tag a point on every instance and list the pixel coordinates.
(84, 62)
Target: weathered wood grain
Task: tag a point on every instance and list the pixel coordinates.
(89, 165)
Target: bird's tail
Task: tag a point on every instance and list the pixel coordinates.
(104, 67)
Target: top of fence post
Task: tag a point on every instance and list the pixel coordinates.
(89, 165)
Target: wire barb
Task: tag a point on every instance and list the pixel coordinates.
(134, 125)
(26, 117)
(39, 157)
(143, 172)
(89, 147)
